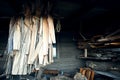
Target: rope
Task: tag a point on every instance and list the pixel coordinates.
(58, 26)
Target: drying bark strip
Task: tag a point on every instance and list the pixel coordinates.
(40, 53)
(45, 40)
(11, 32)
(25, 43)
(15, 66)
(33, 41)
(51, 29)
(38, 49)
(26, 46)
(51, 37)
(16, 48)
(21, 57)
(10, 46)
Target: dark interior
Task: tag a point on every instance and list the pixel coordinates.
(81, 21)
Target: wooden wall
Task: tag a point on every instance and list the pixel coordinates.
(67, 54)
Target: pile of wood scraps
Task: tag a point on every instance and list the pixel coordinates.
(111, 41)
(101, 41)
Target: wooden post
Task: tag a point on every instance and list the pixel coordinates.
(85, 52)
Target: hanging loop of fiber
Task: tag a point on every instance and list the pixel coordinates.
(58, 26)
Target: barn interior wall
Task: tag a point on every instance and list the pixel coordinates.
(67, 54)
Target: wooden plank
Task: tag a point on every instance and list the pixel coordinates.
(112, 38)
(96, 58)
(51, 72)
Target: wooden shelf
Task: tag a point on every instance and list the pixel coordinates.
(109, 74)
(95, 58)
